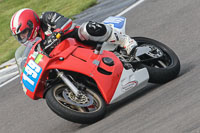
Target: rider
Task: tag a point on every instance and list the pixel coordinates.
(25, 25)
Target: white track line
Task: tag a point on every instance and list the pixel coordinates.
(120, 14)
(130, 7)
(10, 80)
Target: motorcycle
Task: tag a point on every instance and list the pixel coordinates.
(79, 81)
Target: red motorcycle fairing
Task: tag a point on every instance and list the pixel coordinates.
(77, 58)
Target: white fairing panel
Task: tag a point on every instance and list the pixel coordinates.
(129, 83)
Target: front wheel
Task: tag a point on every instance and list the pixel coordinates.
(165, 66)
(87, 109)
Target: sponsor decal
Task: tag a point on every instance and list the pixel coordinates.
(129, 85)
(38, 58)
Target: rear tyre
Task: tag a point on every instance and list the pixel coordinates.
(163, 69)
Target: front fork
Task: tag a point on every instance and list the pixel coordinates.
(71, 86)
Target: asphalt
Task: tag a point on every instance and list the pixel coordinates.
(102, 10)
(169, 108)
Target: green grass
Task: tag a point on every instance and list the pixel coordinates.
(8, 44)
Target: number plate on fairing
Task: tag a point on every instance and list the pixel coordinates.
(117, 22)
(31, 75)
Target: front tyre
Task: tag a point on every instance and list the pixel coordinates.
(162, 69)
(85, 114)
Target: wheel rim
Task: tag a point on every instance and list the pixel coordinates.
(161, 59)
(92, 107)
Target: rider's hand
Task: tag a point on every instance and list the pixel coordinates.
(55, 36)
(50, 39)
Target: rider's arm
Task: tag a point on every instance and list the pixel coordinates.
(56, 22)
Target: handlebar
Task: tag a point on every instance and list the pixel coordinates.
(58, 36)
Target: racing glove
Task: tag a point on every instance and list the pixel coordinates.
(51, 41)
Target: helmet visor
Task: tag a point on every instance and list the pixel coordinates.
(23, 36)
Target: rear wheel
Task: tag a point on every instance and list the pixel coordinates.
(88, 108)
(165, 65)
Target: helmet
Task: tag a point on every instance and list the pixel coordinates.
(25, 25)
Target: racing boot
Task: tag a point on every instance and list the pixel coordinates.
(124, 41)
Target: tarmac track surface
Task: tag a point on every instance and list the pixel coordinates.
(169, 108)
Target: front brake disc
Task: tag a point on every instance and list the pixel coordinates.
(84, 100)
